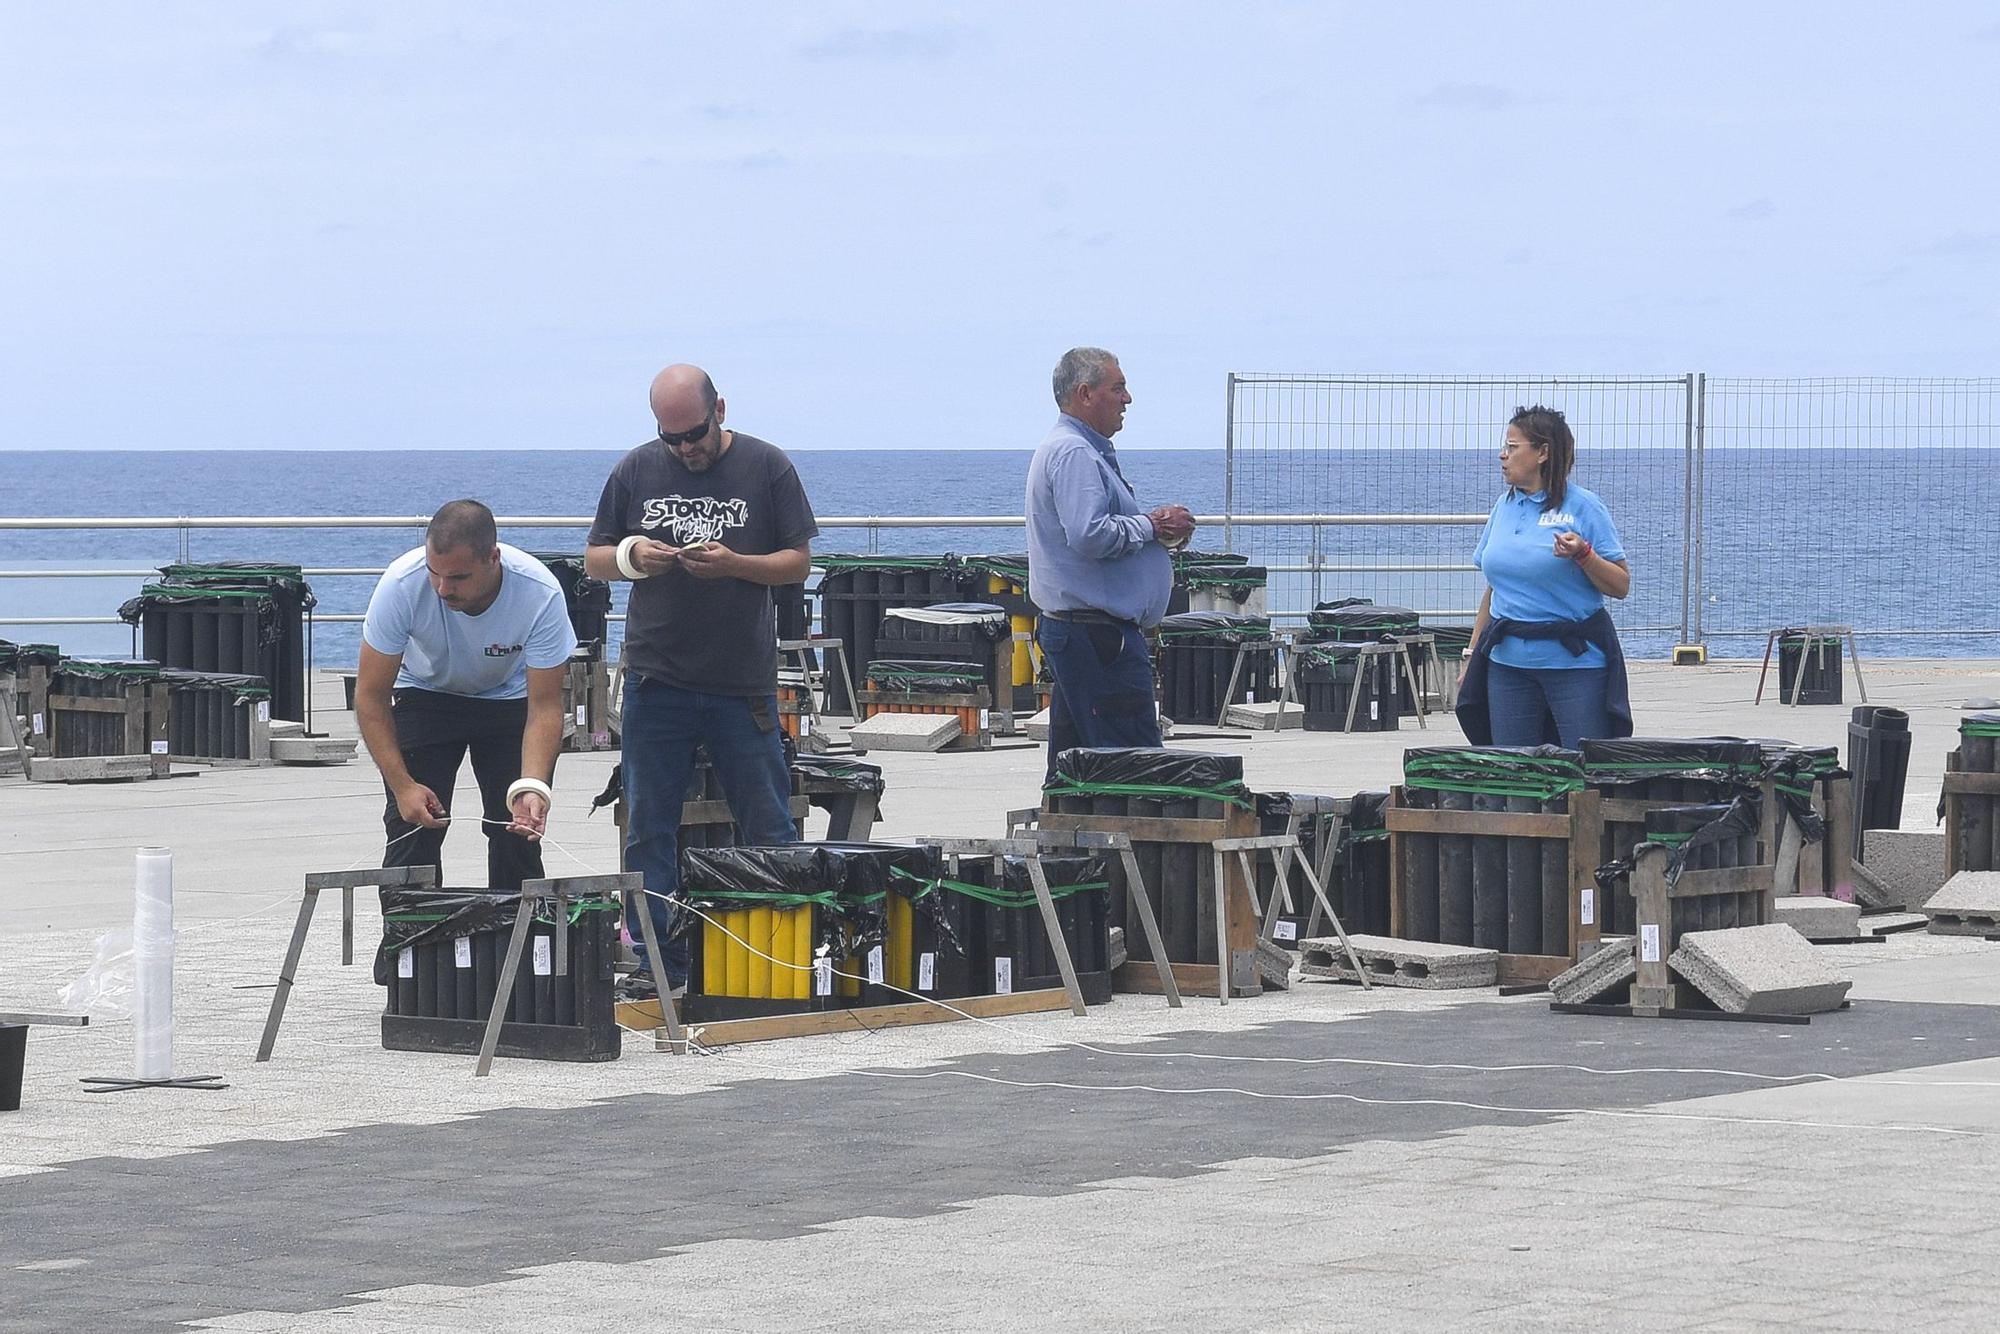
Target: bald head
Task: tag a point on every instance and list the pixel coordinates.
(689, 413)
(682, 391)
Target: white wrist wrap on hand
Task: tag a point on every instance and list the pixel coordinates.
(626, 566)
(534, 785)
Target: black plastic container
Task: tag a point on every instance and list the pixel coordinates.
(1809, 668)
(957, 632)
(13, 1060)
(440, 961)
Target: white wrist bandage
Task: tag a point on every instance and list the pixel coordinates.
(626, 566)
(534, 785)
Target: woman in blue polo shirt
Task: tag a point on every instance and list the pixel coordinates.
(1543, 643)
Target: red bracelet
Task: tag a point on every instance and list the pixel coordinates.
(1584, 555)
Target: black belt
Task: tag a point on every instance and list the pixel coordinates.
(1086, 616)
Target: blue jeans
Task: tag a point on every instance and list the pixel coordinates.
(663, 725)
(1517, 699)
(1103, 694)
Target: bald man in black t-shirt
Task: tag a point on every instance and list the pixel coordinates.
(705, 521)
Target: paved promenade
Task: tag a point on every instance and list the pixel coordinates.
(1296, 1161)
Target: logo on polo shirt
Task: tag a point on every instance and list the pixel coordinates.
(502, 650)
(1556, 519)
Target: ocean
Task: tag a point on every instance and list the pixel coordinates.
(1789, 536)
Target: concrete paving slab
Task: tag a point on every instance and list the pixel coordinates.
(1968, 904)
(927, 732)
(312, 749)
(1818, 918)
(1603, 974)
(1768, 969)
(1401, 963)
(1270, 716)
(1910, 862)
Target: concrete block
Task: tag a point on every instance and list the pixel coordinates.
(1274, 966)
(1967, 905)
(1038, 726)
(1870, 891)
(904, 731)
(1600, 975)
(1271, 717)
(1817, 918)
(89, 768)
(312, 749)
(1769, 969)
(1910, 862)
(1117, 953)
(1401, 963)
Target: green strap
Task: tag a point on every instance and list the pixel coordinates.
(1971, 728)
(1235, 793)
(999, 898)
(1494, 775)
(778, 898)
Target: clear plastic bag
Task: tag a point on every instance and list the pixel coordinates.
(105, 990)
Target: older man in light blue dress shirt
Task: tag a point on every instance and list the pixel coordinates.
(1099, 567)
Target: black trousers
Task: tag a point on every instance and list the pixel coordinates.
(435, 731)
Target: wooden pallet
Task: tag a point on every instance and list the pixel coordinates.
(862, 1019)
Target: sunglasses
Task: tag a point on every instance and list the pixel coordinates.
(675, 439)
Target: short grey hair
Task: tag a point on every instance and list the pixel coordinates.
(1080, 366)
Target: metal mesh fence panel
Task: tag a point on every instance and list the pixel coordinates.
(1866, 502)
(1429, 446)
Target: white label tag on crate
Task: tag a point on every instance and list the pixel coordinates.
(1285, 930)
(805, 724)
(545, 963)
(875, 965)
(823, 977)
(1649, 942)
(583, 715)
(38, 725)
(406, 962)
(1374, 710)
(159, 747)
(461, 951)
(263, 710)
(1003, 976)
(1587, 907)
(927, 972)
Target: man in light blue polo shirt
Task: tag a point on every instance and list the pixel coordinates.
(463, 648)
(1099, 568)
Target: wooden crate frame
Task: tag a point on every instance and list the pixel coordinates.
(1238, 924)
(1654, 989)
(1957, 786)
(1582, 827)
(1633, 810)
(588, 681)
(867, 703)
(144, 709)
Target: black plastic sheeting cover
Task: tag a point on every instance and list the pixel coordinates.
(1362, 615)
(717, 875)
(968, 675)
(1492, 759)
(1368, 811)
(14, 656)
(993, 622)
(463, 911)
(1215, 627)
(1639, 758)
(1153, 768)
(848, 775)
(144, 669)
(243, 687)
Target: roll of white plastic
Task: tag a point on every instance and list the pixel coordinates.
(153, 965)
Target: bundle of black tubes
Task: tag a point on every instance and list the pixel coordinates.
(1360, 621)
(1710, 838)
(1978, 823)
(1312, 819)
(77, 733)
(244, 617)
(1360, 891)
(1179, 876)
(1197, 655)
(854, 592)
(1326, 677)
(1878, 756)
(1490, 892)
(1195, 571)
(976, 937)
(1669, 771)
(214, 715)
(440, 961)
(1808, 667)
(954, 632)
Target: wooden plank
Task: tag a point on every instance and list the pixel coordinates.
(1586, 812)
(1951, 867)
(1986, 785)
(1142, 977)
(1518, 970)
(1142, 828)
(725, 1032)
(1499, 824)
(1811, 878)
(1726, 880)
(887, 700)
(1401, 851)
(1654, 985)
(87, 704)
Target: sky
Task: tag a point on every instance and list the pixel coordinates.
(486, 225)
